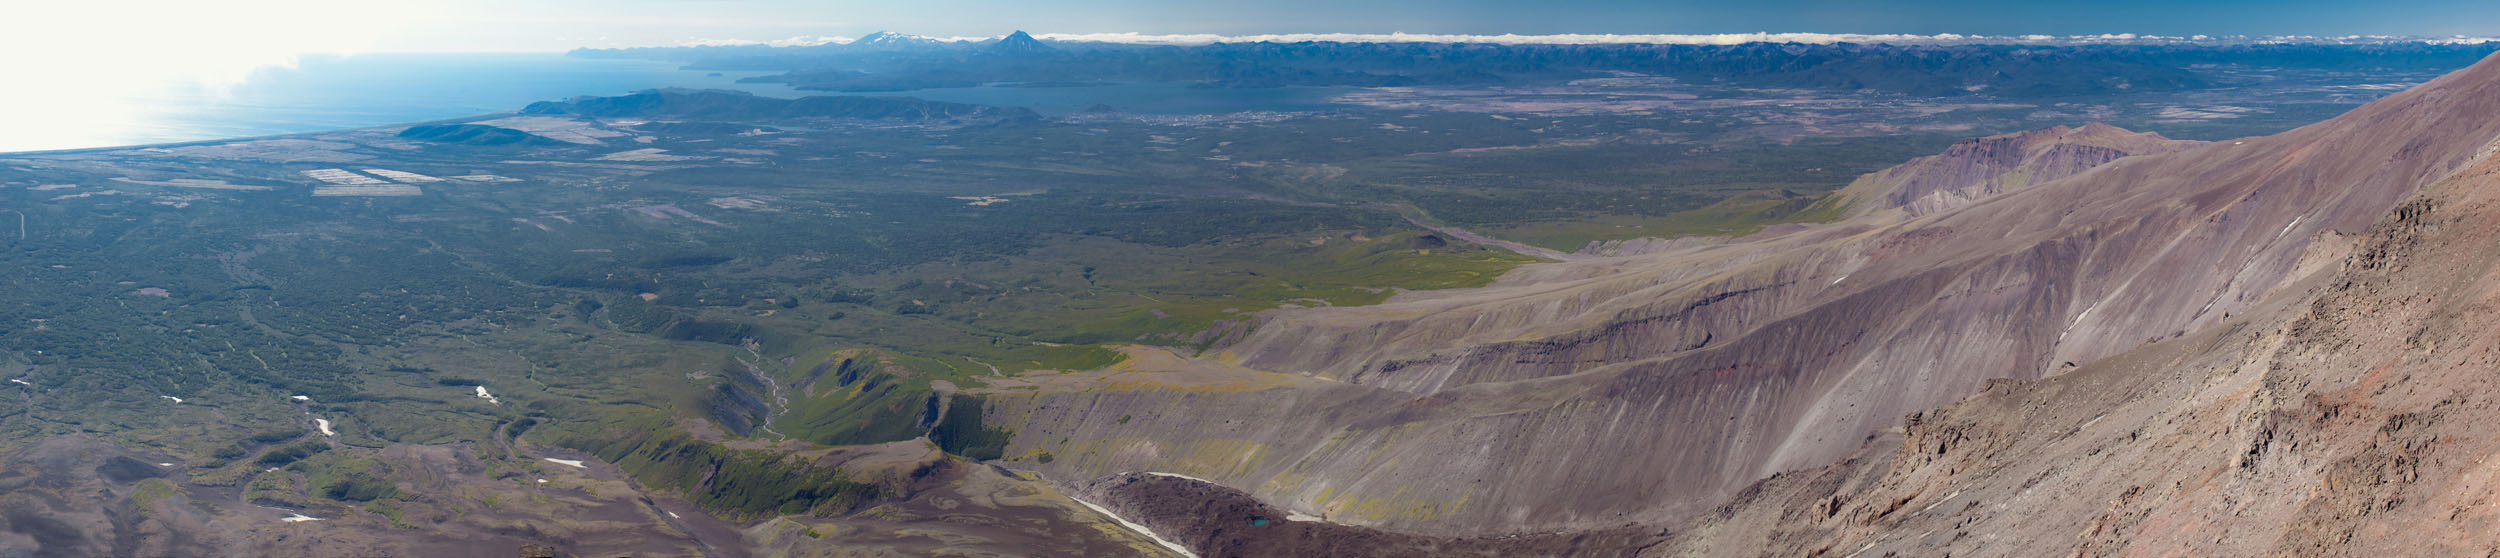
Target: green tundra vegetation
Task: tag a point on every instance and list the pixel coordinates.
(962, 432)
(745, 482)
(585, 300)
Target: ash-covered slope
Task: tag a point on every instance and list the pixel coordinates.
(1981, 167)
(2349, 416)
(1605, 391)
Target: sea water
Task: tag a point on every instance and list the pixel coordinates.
(336, 92)
(320, 93)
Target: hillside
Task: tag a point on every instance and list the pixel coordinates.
(680, 322)
(1981, 167)
(1719, 365)
(2343, 417)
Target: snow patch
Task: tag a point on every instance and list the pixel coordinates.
(575, 463)
(1140, 529)
(299, 517)
(176, 400)
(2287, 227)
(1180, 476)
(798, 41)
(325, 427)
(489, 397)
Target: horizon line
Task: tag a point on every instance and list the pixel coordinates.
(1711, 39)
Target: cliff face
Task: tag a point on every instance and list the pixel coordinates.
(1649, 388)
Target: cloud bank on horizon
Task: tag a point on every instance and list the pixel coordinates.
(133, 46)
(1184, 39)
(1572, 21)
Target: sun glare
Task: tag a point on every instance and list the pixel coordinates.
(100, 58)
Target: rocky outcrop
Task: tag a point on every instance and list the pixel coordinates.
(1650, 388)
(2345, 417)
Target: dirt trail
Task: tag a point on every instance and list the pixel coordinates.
(1522, 249)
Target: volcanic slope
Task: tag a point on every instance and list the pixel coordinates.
(1607, 391)
(1981, 167)
(2348, 416)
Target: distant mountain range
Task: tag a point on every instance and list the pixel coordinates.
(1017, 43)
(738, 106)
(893, 41)
(896, 62)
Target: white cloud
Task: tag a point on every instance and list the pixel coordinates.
(799, 41)
(2462, 40)
(1721, 38)
(1185, 39)
(1563, 39)
(217, 43)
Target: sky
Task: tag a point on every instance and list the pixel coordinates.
(221, 40)
(558, 24)
(211, 36)
(126, 47)
(243, 28)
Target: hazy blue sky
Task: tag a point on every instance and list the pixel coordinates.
(88, 53)
(1668, 16)
(110, 44)
(216, 27)
(609, 22)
